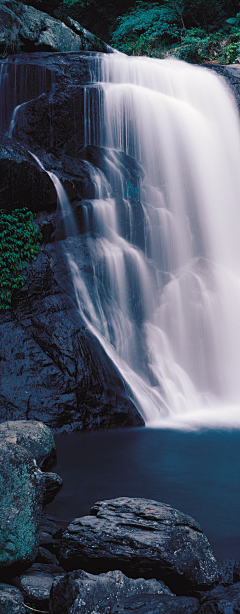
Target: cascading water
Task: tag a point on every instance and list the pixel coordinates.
(162, 234)
(167, 292)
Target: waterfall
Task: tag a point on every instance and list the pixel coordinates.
(162, 233)
(167, 292)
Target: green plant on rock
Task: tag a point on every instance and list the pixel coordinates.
(19, 243)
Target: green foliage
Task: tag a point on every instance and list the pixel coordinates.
(147, 24)
(19, 243)
(194, 46)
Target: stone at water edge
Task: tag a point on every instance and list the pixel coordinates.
(11, 600)
(157, 604)
(84, 593)
(36, 582)
(52, 485)
(221, 600)
(45, 556)
(21, 493)
(35, 436)
(142, 538)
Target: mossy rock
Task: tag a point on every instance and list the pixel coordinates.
(35, 436)
(21, 494)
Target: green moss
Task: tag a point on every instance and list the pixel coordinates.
(21, 490)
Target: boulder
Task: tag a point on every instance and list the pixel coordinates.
(21, 492)
(52, 485)
(142, 538)
(221, 600)
(23, 183)
(159, 604)
(35, 584)
(11, 600)
(24, 28)
(83, 593)
(36, 437)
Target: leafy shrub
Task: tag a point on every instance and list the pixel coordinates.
(19, 243)
(230, 52)
(146, 25)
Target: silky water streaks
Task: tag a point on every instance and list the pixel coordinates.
(165, 297)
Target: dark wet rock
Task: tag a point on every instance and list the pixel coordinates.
(48, 542)
(21, 492)
(229, 572)
(35, 584)
(26, 28)
(49, 535)
(52, 368)
(142, 538)
(46, 222)
(45, 556)
(52, 485)
(23, 183)
(55, 132)
(156, 604)
(50, 526)
(81, 592)
(222, 600)
(36, 437)
(27, 76)
(11, 600)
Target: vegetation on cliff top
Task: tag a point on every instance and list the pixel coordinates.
(194, 30)
(175, 29)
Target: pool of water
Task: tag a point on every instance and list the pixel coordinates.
(196, 472)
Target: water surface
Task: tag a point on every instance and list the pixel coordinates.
(196, 472)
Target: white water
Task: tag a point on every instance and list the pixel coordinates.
(169, 315)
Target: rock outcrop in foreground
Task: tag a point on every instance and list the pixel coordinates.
(142, 538)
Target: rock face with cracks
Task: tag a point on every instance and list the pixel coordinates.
(142, 538)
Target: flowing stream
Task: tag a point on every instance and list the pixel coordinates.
(164, 237)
